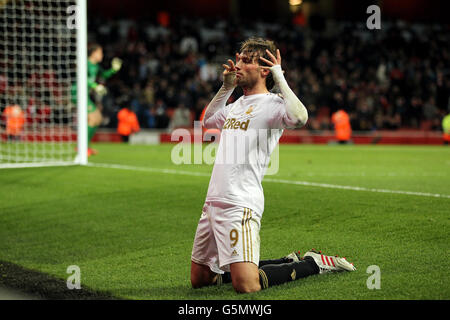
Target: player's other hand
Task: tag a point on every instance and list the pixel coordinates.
(100, 90)
(116, 64)
(229, 74)
(274, 64)
(273, 60)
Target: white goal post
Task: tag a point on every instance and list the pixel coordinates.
(43, 83)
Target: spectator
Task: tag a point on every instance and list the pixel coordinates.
(150, 114)
(161, 117)
(181, 118)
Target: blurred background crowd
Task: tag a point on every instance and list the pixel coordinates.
(395, 77)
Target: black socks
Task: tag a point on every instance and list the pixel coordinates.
(276, 261)
(278, 271)
(275, 274)
(223, 278)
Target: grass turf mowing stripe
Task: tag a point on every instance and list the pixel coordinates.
(304, 183)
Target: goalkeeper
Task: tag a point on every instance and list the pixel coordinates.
(95, 56)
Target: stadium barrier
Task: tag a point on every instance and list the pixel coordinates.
(407, 137)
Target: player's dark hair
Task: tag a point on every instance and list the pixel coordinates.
(256, 47)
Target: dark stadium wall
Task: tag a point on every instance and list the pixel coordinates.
(416, 10)
(269, 10)
(137, 9)
(409, 10)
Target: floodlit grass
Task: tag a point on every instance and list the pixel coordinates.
(131, 230)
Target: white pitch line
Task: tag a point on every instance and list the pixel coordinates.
(35, 165)
(334, 186)
(292, 182)
(146, 169)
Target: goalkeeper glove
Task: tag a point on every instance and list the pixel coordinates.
(116, 64)
(100, 90)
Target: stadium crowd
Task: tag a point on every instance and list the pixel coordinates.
(396, 77)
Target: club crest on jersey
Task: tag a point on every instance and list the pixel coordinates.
(233, 123)
(249, 110)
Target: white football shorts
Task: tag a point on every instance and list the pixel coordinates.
(226, 234)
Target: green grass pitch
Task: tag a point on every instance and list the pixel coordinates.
(130, 229)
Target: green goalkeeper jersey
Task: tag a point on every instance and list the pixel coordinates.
(94, 71)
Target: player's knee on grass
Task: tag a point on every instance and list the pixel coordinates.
(246, 284)
(245, 277)
(201, 276)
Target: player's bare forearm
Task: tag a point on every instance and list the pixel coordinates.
(294, 107)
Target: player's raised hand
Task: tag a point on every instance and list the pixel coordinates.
(229, 74)
(274, 65)
(273, 60)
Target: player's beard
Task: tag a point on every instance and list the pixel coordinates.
(245, 82)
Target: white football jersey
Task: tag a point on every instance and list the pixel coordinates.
(251, 128)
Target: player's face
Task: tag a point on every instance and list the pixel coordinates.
(97, 55)
(248, 70)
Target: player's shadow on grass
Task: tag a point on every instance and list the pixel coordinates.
(44, 286)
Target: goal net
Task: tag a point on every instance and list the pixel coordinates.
(38, 67)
